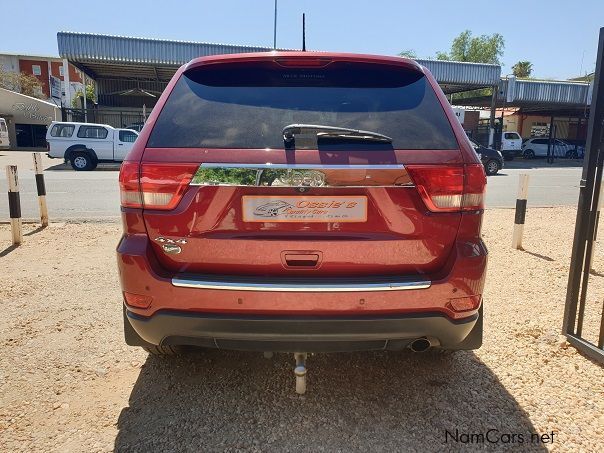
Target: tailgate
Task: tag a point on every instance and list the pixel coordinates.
(300, 219)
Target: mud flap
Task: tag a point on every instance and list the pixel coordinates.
(130, 335)
(474, 338)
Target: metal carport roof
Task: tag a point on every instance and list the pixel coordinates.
(457, 76)
(122, 57)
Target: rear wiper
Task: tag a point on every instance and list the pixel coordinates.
(290, 131)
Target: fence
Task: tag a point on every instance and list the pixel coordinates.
(115, 118)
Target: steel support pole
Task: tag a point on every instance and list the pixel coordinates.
(492, 118)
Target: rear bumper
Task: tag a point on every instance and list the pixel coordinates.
(326, 314)
(299, 334)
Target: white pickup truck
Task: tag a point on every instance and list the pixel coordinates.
(84, 145)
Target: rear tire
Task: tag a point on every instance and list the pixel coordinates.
(82, 161)
(168, 350)
(491, 167)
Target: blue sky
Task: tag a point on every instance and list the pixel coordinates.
(558, 37)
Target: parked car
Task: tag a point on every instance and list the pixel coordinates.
(537, 147)
(490, 158)
(84, 145)
(511, 145)
(574, 151)
(335, 206)
(4, 139)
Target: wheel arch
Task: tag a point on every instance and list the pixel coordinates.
(80, 148)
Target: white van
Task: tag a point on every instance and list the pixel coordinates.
(84, 145)
(4, 141)
(511, 144)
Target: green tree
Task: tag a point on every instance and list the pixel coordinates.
(77, 100)
(21, 83)
(476, 49)
(523, 69)
(409, 53)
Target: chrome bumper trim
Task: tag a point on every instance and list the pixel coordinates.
(301, 286)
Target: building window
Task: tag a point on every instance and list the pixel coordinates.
(61, 70)
(36, 69)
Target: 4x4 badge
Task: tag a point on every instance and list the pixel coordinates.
(164, 240)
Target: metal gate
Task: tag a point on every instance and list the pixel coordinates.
(112, 117)
(586, 228)
(481, 135)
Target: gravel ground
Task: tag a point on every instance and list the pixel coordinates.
(68, 382)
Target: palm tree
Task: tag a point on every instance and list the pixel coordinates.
(523, 69)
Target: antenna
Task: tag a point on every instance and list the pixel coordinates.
(275, 28)
(303, 32)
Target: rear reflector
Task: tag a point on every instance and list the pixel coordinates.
(154, 185)
(464, 304)
(450, 188)
(138, 301)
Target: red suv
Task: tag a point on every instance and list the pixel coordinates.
(302, 202)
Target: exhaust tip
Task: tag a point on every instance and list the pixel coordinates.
(420, 345)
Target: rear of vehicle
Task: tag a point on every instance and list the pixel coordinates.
(491, 158)
(302, 202)
(511, 145)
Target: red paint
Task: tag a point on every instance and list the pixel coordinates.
(401, 237)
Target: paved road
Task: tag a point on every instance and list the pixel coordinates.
(95, 195)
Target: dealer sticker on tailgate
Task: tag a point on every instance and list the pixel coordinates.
(304, 209)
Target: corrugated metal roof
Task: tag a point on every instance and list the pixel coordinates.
(544, 91)
(84, 47)
(124, 53)
(463, 73)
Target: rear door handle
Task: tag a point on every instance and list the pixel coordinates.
(301, 259)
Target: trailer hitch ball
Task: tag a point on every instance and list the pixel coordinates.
(300, 373)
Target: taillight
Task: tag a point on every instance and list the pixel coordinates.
(154, 185)
(450, 188)
(475, 184)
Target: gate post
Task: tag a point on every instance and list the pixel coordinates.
(586, 221)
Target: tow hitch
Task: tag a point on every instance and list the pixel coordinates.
(300, 372)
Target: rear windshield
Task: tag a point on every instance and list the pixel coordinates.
(247, 106)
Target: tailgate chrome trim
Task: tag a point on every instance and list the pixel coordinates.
(300, 285)
(301, 175)
(268, 165)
